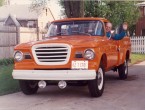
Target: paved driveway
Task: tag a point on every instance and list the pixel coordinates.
(118, 95)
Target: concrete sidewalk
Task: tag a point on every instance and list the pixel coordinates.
(142, 63)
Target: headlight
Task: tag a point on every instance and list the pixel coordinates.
(18, 56)
(89, 54)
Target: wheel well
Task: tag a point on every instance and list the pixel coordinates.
(127, 55)
(104, 60)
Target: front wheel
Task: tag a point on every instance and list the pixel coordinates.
(28, 87)
(123, 70)
(96, 86)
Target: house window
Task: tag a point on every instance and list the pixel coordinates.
(30, 24)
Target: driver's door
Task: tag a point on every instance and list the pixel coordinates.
(112, 52)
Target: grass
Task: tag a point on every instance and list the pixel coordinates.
(136, 58)
(7, 83)
(6, 61)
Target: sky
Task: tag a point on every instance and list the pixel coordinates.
(53, 5)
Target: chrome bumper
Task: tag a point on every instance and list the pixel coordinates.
(54, 74)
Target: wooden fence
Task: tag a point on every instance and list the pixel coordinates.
(8, 39)
(11, 36)
(138, 44)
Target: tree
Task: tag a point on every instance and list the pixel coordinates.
(74, 8)
(117, 12)
(38, 5)
(93, 9)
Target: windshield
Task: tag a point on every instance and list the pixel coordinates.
(89, 28)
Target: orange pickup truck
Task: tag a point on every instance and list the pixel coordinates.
(75, 51)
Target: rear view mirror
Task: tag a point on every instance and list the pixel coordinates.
(112, 31)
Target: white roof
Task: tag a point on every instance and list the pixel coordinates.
(18, 11)
(14, 20)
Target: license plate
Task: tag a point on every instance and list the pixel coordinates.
(79, 65)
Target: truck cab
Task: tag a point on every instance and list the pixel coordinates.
(74, 50)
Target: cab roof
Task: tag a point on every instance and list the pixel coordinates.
(77, 19)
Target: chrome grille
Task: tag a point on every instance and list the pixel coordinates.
(51, 54)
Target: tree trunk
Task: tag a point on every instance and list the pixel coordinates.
(74, 8)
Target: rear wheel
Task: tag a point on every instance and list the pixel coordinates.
(28, 87)
(123, 70)
(96, 86)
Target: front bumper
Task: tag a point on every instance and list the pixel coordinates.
(54, 74)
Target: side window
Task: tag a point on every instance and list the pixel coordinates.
(99, 29)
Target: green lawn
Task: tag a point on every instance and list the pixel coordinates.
(136, 58)
(7, 83)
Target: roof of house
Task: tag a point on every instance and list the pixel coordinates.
(18, 11)
(141, 4)
(15, 21)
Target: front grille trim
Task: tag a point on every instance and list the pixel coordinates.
(64, 55)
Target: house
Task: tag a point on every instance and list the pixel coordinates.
(24, 16)
(140, 26)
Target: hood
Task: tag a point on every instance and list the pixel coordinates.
(76, 41)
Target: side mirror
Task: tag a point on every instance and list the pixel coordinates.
(117, 29)
(112, 33)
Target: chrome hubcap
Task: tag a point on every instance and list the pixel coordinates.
(100, 78)
(126, 64)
